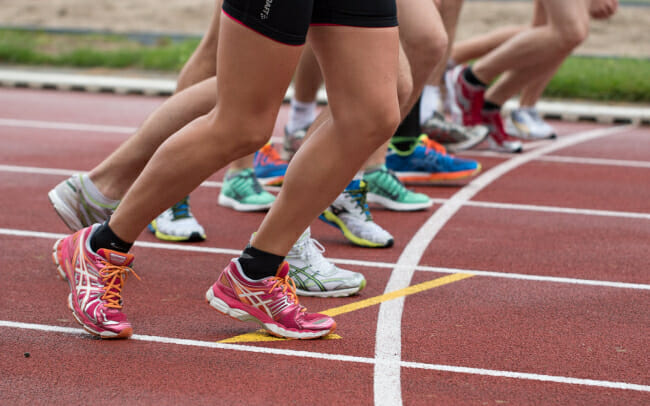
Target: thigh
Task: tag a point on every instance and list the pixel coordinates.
(360, 66)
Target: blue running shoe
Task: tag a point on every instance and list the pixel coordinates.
(428, 161)
(350, 214)
(269, 167)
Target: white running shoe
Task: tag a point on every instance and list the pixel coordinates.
(177, 224)
(314, 275)
(75, 206)
(525, 123)
(350, 214)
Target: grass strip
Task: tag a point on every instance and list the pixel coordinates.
(589, 78)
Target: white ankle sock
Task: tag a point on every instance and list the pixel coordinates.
(429, 102)
(301, 115)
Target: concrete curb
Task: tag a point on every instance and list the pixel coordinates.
(560, 110)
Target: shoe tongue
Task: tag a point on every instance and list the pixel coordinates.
(283, 270)
(355, 184)
(115, 257)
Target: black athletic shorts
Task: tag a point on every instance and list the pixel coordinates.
(287, 21)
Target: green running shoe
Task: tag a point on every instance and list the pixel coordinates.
(385, 189)
(242, 191)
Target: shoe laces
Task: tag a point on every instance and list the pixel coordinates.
(431, 145)
(359, 196)
(247, 181)
(288, 287)
(181, 209)
(390, 183)
(114, 277)
(271, 156)
(313, 254)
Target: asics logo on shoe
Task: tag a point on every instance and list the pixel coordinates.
(270, 307)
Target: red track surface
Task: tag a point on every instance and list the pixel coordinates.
(523, 337)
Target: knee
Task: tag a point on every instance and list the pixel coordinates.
(376, 122)
(425, 51)
(243, 134)
(570, 37)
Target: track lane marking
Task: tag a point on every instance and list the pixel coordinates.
(343, 358)
(476, 203)
(388, 343)
(355, 262)
(260, 335)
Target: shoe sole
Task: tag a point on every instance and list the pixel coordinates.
(332, 293)
(274, 329)
(229, 202)
(64, 211)
(396, 206)
(418, 177)
(331, 219)
(468, 144)
(126, 333)
(272, 181)
(194, 237)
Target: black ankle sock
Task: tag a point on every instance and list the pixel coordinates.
(469, 76)
(258, 264)
(408, 132)
(489, 106)
(104, 237)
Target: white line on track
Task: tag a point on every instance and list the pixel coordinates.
(53, 125)
(492, 205)
(388, 344)
(369, 264)
(345, 358)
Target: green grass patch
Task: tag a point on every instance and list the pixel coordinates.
(86, 51)
(590, 78)
(603, 79)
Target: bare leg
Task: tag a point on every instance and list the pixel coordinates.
(364, 112)
(568, 27)
(244, 61)
(464, 51)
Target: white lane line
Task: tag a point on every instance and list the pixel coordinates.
(69, 172)
(493, 205)
(596, 161)
(367, 264)
(388, 344)
(343, 358)
(553, 209)
(53, 125)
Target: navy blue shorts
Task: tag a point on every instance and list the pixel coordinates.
(287, 21)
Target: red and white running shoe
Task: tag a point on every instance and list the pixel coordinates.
(498, 138)
(271, 302)
(466, 99)
(96, 281)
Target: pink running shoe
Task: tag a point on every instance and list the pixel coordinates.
(96, 281)
(271, 302)
(498, 138)
(466, 100)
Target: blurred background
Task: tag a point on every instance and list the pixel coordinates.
(158, 36)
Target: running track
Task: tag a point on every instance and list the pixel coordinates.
(528, 285)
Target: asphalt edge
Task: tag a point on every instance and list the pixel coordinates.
(558, 110)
